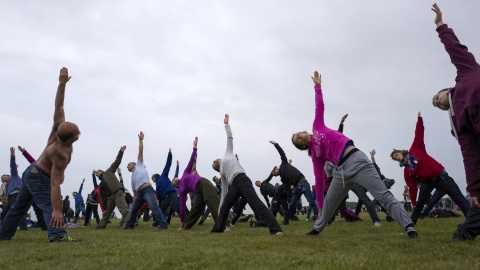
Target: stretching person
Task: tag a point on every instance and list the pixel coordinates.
(352, 167)
(79, 203)
(233, 175)
(292, 177)
(92, 203)
(142, 190)
(206, 193)
(116, 197)
(13, 187)
(462, 102)
(42, 179)
(165, 190)
(419, 166)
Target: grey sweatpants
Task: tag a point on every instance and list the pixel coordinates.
(358, 169)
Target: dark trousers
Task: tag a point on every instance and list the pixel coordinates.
(91, 208)
(470, 228)
(442, 182)
(242, 186)
(238, 209)
(207, 195)
(11, 200)
(172, 204)
(278, 201)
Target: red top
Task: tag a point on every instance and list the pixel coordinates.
(423, 167)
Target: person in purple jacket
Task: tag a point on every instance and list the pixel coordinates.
(207, 194)
(462, 103)
(352, 167)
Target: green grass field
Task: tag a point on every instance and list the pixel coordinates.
(340, 246)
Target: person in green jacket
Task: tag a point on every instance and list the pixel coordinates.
(116, 197)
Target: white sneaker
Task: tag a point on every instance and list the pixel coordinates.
(377, 224)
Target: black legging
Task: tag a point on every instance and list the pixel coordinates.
(91, 208)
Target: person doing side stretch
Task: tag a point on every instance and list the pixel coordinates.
(142, 190)
(42, 179)
(165, 189)
(352, 167)
(233, 175)
(207, 194)
(292, 177)
(116, 197)
(431, 174)
(462, 102)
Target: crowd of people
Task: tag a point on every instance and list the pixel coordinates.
(338, 165)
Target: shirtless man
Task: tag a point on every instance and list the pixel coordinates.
(42, 179)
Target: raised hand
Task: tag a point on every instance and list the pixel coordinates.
(12, 151)
(93, 171)
(272, 142)
(419, 115)
(372, 153)
(141, 136)
(195, 142)
(83, 181)
(236, 156)
(343, 119)
(63, 78)
(225, 121)
(123, 148)
(178, 163)
(438, 18)
(170, 150)
(21, 149)
(317, 78)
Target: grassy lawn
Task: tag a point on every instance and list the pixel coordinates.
(340, 246)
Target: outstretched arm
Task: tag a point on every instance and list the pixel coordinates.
(59, 114)
(340, 127)
(140, 146)
(166, 170)
(117, 161)
(13, 164)
(283, 157)
(29, 158)
(319, 105)
(192, 161)
(463, 60)
(57, 176)
(419, 133)
(176, 170)
(94, 178)
(229, 136)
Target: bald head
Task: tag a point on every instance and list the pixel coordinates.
(68, 131)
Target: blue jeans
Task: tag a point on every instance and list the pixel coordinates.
(36, 186)
(302, 188)
(79, 208)
(146, 195)
(309, 210)
(437, 195)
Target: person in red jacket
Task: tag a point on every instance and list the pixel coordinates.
(419, 166)
(462, 102)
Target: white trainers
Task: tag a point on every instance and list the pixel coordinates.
(377, 224)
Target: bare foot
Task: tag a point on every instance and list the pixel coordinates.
(227, 229)
(279, 233)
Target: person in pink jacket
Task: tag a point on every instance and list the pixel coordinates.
(352, 167)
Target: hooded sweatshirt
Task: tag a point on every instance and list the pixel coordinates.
(326, 145)
(464, 105)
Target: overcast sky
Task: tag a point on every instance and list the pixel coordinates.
(172, 69)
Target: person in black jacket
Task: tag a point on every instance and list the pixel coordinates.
(292, 177)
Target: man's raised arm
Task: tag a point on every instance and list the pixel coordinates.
(118, 160)
(140, 146)
(283, 157)
(59, 114)
(229, 136)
